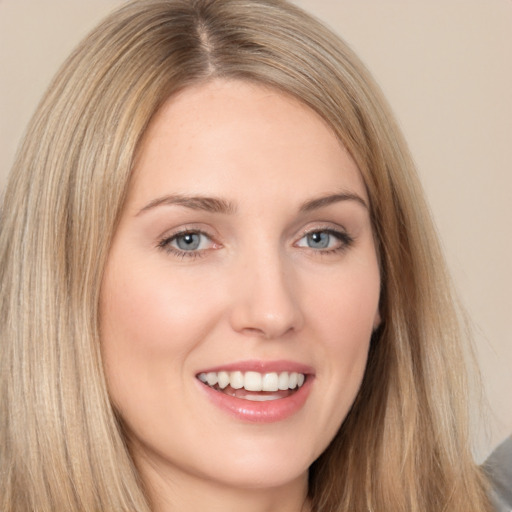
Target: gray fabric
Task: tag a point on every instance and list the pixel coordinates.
(499, 469)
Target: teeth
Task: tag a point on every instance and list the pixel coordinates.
(223, 379)
(254, 381)
(269, 382)
(236, 380)
(211, 378)
(283, 380)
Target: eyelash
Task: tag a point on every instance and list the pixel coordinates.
(344, 238)
(165, 243)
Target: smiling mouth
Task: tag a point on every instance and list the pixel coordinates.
(254, 386)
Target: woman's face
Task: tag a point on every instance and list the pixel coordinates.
(245, 258)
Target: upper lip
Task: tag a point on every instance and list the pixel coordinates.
(262, 367)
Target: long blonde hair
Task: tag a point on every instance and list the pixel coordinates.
(404, 445)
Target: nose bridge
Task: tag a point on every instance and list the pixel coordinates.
(264, 302)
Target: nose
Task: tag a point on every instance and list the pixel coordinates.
(265, 299)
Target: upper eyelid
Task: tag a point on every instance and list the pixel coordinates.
(333, 231)
(324, 228)
(183, 230)
(327, 226)
(177, 234)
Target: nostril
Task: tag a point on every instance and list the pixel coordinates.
(266, 333)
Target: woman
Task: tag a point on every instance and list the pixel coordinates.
(220, 283)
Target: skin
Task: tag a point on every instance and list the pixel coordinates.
(254, 289)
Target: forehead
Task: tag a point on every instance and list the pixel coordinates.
(236, 138)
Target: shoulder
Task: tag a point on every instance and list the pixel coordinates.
(498, 468)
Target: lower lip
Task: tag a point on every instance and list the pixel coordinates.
(260, 412)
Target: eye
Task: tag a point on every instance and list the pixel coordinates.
(326, 240)
(186, 243)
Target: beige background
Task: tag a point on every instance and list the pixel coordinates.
(446, 68)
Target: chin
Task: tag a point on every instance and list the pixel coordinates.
(261, 473)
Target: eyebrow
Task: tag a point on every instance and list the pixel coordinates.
(218, 205)
(321, 202)
(208, 204)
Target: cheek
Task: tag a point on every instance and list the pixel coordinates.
(346, 306)
(148, 309)
(345, 315)
(150, 321)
